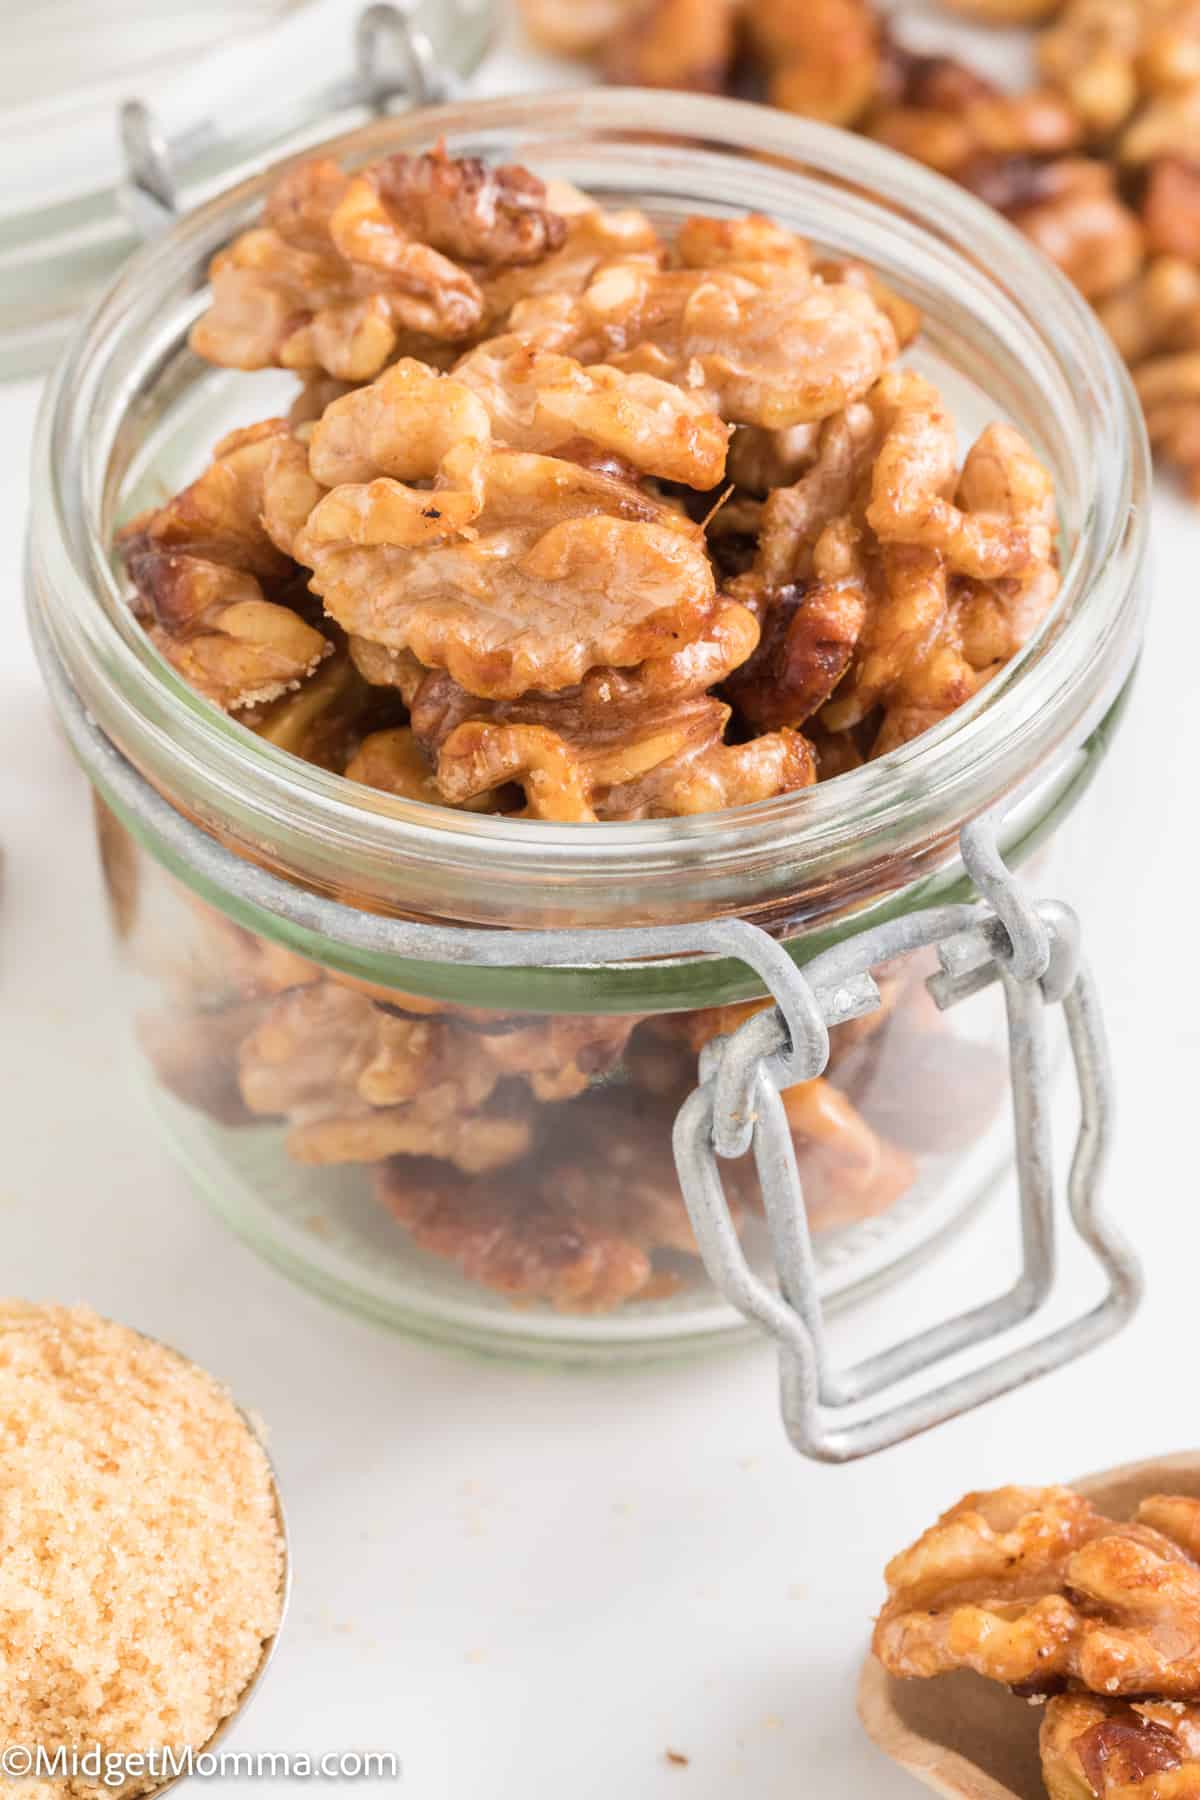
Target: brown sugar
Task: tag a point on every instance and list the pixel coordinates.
(141, 1553)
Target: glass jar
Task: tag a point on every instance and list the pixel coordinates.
(304, 958)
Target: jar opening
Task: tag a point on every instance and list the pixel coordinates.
(1001, 325)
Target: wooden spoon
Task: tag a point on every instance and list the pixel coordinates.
(968, 1738)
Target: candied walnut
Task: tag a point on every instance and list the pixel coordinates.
(1095, 1749)
(1166, 126)
(1006, 522)
(514, 1238)
(543, 401)
(322, 720)
(983, 625)
(402, 425)
(1034, 1586)
(382, 667)
(708, 243)
(766, 344)
(405, 425)
(609, 707)
(496, 217)
(394, 762)
(219, 516)
(946, 116)
(562, 570)
(574, 27)
(480, 756)
(1171, 209)
(344, 266)
(930, 645)
(903, 616)
(358, 1080)
(594, 235)
(473, 1142)
(808, 637)
(713, 777)
(578, 1230)
(1080, 223)
(759, 461)
(213, 625)
(1072, 210)
(1006, 12)
(674, 44)
(905, 318)
(793, 518)
(822, 59)
(215, 593)
(1105, 55)
(601, 758)
(848, 1172)
(1169, 390)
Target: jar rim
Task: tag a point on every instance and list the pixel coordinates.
(899, 811)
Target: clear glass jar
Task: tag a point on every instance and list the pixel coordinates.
(532, 1204)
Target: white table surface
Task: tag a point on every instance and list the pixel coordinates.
(530, 1583)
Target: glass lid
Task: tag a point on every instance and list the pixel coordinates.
(122, 111)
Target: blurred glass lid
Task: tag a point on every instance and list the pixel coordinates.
(105, 103)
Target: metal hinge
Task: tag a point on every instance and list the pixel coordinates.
(394, 58)
(1032, 951)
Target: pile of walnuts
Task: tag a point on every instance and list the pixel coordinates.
(568, 522)
(1035, 1588)
(1098, 162)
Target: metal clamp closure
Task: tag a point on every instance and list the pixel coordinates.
(1032, 950)
(393, 59)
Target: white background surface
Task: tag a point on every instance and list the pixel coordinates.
(530, 1583)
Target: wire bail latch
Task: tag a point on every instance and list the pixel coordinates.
(1032, 950)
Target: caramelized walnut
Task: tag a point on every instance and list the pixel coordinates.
(1095, 1749)
(822, 59)
(358, 1080)
(808, 637)
(1006, 12)
(1034, 1586)
(394, 762)
(1171, 208)
(594, 235)
(324, 719)
(344, 266)
(1081, 223)
(579, 1231)
(544, 401)
(1104, 55)
(216, 594)
(1005, 523)
(561, 570)
(674, 44)
(947, 116)
(574, 27)
(767, 345)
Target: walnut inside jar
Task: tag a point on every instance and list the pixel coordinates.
(571, 523)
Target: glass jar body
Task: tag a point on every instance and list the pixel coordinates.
(482, 1151)
(505, 1178)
